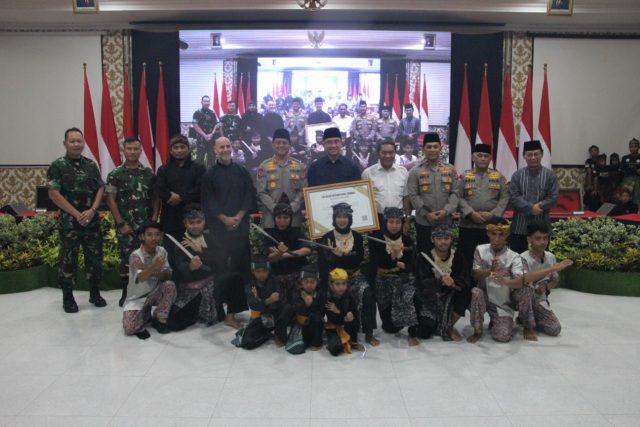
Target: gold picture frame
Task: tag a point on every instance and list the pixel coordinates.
(85, 6)
(560, 7)
(318, 202)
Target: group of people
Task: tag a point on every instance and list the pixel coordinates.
(186, 256)
(616, 183)
(251, 135)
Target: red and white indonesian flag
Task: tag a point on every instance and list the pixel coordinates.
(144, 123)
(91, 149)
(108, 145)
(484, 133)
(162, 125)
(544, 123)
(396, 102)
(526, 122)
(424, 107)
(463, 141)
(506, 160)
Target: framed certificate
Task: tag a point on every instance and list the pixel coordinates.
(319, 202)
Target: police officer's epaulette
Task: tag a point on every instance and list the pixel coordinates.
(294, 162)
(469, 174)
(271, 165)
(494, 174)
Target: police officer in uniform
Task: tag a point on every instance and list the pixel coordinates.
(484, 195)
(432, 191)
(363, 126)
(386, 127)
(132, 201)
(630, 166)
(204, 124)
(75, 186)
(281, 179)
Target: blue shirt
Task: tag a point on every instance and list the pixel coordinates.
(323, 171)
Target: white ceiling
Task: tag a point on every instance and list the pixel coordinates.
(444, 15)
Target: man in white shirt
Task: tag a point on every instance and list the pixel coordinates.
(343, 120)
(389, 181)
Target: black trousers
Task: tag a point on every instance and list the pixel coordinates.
(368, 315)
(518, 243)
(468, 240)
(387, 322)
(423, 239)
(333, 340)
(229, 289)
(426, 327)
(312, 331)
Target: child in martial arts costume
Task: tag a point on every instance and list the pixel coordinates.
(268, 311)
(194, 276)
(390, 270)
(541, 272)
(289, 255)
(347, 254)
(442, 300)
(308, 307)
(342, 315)
(500, 291)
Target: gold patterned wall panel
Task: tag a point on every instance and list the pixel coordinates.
(229, 76)
(570, 177)
(116, 55)
(520, 57)
(18, 185)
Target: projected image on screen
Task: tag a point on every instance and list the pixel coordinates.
(246, 84)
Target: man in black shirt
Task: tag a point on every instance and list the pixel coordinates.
(630, 166)
(318, 116)
(228, 197)
(333, 167)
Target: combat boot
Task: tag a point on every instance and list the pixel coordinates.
(68, 302)
(95, 298)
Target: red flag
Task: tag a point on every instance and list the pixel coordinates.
(424, 110)
(506, 160)
(526, 122)
(248, 93)
(162, 125)
(127, 116)
(234, 97)
(396, 100)
(109, 148)
(367, 94)
(405, 98)
(144, 122)
(224, 104)
(216, 102)
(544, 122)
(90, 133)
(416, 95)
(484, 133)
(463, 141)
(241, 107)
(386, 92)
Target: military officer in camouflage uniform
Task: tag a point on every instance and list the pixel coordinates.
(204, 124)
(483, 195)
(280, 179)
(75, 186)
(432, 188)
(296, 120)
(230, 122)
(386, 127)
(363, 126)
(131, 199)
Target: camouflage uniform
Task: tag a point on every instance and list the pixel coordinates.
(133, 189)
(207, 121)
(363, 129)
(78, 180)
(231, 126)
(297, 123)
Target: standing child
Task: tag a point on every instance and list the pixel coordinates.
(268, 311)
(541, 272)
(342, 315)
(347, 254)
(149, 284)
(390, 267)
(308, 307)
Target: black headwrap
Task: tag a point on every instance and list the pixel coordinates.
(342, 209)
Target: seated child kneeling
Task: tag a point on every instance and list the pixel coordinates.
(149, 284)
(268, 311)
(342, 315)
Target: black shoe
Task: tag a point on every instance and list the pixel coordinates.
(69, 303)
(123, 298)
(162, 328)
(96, 299)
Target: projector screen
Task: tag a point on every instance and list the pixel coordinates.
(594, 92)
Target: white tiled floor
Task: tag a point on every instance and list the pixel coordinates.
(80, 370)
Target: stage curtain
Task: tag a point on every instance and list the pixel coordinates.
(390, 68)
(150, 48)
(475, 50)
(353, 84)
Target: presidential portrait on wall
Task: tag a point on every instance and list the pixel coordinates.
(85, 6)
(560, 7)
